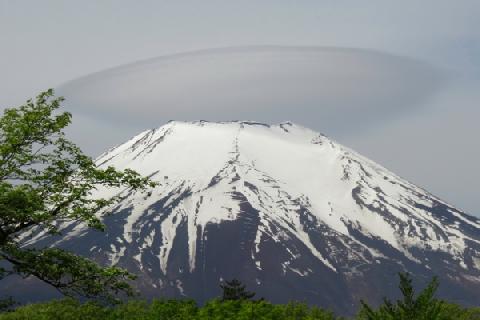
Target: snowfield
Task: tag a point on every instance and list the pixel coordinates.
(275, 167)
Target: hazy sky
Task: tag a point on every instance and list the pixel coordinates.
(396, 81)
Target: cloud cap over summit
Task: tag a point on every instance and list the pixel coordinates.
(316, 86)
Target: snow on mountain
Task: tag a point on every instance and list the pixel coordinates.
(285, 209)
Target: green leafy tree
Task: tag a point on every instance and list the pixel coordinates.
(424, 306)
(46, 180)
(235, 290)
(456, 312)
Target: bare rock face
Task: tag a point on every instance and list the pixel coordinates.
(291, 213)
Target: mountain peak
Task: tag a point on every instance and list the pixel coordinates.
(234, 122)
(281, 206)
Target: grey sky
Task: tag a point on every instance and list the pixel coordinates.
(416, 115)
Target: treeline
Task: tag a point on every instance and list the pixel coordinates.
(213, 310)
(167, 309)
(238, 303)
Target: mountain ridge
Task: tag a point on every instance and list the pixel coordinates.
(286, 209)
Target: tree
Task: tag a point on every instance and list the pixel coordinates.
(422, 307)
(235, 290)
(46, 180)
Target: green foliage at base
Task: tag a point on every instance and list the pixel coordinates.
(168, 309)
(238, 306)
(213, 310)
(447, 311)
(421, 306)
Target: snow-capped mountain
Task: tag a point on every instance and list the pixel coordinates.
(293, 214)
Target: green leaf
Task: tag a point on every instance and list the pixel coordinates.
(45, 179)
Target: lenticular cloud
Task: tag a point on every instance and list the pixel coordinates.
(311, 85)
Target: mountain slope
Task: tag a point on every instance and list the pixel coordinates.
(290, 212)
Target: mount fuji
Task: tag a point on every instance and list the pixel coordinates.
(288, 211)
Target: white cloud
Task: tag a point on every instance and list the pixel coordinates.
(310, 85)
